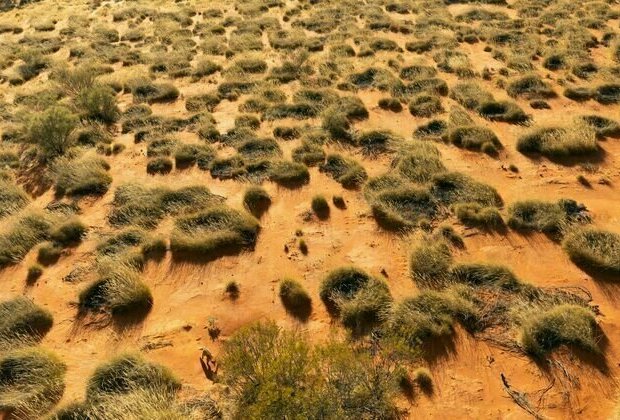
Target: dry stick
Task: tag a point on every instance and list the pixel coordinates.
(520, 398)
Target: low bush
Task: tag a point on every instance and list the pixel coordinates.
(289, 174)
(559, 142)
(347, 172)
(48, 254)
(155, 93)
(31, 382)
(390, 104)
(594, 249)
(213, 232)
(12, 198)
(401, 209)
(295, 299)
(86, 176)
(68, 233)
(475, 215)
(425, 105)
(543, 332)
(530, 87)
(129, 373)
(159, 166)
(309, 154)
(119, 291)
(608, 94)
(487, 275)
(505, 111)
(35, 271)
(450, 188)
(430, 264)
(187, 155)
(546, 217)
(475, 138)
(138, 205)
(256, 200)
(51, 131)
(320, 207)
(23, 321)
(99, 103)
(603, 126)
(24, 233)
(374, 142)
(204, 102)
(286, 133)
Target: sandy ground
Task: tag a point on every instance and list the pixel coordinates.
(187, 297)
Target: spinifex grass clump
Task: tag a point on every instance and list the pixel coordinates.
(23, 321)
(118, 291)
(356, 297)
(349, 173)
(135, 204)
(81, 177)
(559, 142)
(12, 198)
(295, 299)
(214, 232)
(256, 200)
(546, 217)
(31, 382)
(594, 249)
(22, 234)
(572, 325)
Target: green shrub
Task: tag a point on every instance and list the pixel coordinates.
(450, 188)
(31, 382)
(213, 232)
(129, 373)
(363, 311)
(320, 207)
(420, 163)
(375, 142)
(402, 208)
(22, 320)
(51, 131)
(486, 275)
(475, 215)
(99, 103)
(594, 249)
(543, 332)
(81, 177)
(541, 216)
(341, 283)
(424, 379)
(347, 172)
(559, 142)
(295, 299)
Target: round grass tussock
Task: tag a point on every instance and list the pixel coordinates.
(594, 249)
(256, 200)
(320, 207)
(295, 299)
(21, 318)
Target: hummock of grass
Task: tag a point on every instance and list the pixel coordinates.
(546, 217)
(427, 316)
(81, 177)
(256, 200)
(22, 320)
(139, 205)
(128, 373)
(347, 172)
(118, 291)
(295, 299)
(430, 264)
(23, 233)
(476, 215)
(594, 249)
(214, 232)
(31, 382)
(356, 297)
(12, 198)
(543, 332)
(399, 209)
(559, 142)
(486, 275)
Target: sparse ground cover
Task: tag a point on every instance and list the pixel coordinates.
(330, 196)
